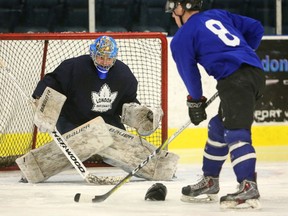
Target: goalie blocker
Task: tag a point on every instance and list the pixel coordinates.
(48, 109)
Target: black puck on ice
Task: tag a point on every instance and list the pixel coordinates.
(77, 197)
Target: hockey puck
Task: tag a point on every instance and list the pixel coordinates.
(77, 197)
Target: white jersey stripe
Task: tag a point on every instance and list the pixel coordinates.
(216, 158)
(238, 145)
(243, 158)
(216, 144)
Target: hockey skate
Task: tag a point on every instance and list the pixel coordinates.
(204, 191)
(246, 197)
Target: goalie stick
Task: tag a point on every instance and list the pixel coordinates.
(100, 198)
(67, 150)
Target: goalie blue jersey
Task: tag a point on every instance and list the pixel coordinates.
(219, 41)
(88, 96)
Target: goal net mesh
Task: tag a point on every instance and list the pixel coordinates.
(26, 58)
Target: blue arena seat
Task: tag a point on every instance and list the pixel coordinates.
(152, 16)
(75, 16)
(233, 6)
(38, 15)
(264, 11)
(116, 15)
(10, 12)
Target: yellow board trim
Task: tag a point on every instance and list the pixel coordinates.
(267, 154)
(261, 136)
(270, 143)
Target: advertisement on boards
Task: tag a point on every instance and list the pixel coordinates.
(273, 107)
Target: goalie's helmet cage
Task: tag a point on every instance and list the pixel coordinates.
(104, 48)
(192, 5)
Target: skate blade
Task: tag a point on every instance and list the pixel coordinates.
(248, 204)
(204, 198)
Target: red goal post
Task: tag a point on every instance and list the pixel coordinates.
(29, 56)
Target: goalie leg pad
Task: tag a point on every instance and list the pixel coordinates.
(48, 160)
(29, 167)
(127, 152)
(165, 168)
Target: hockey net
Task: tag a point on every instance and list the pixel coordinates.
(26, 58)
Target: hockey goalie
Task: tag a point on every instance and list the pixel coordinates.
(116, 146)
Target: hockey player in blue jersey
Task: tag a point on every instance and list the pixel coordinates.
(224, 44)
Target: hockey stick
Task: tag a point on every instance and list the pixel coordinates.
(100, 198)
(68, 151)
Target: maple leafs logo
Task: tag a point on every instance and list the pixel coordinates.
(103, 100)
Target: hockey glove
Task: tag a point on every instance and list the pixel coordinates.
(144, 119)
(196, 109)
(48, 109)
(157, 192)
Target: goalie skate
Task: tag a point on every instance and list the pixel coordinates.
(204, 191)
(246, 197)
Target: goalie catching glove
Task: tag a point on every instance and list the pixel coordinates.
(144, 119)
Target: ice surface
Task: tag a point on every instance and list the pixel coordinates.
(55, 196)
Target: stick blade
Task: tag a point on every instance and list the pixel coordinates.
(100, 198)
(85, 198)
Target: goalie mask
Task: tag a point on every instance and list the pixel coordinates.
(171, 5)
(104, 52)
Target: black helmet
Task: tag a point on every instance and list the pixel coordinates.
(194, 5)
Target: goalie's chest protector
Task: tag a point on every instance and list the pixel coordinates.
(91, 96)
